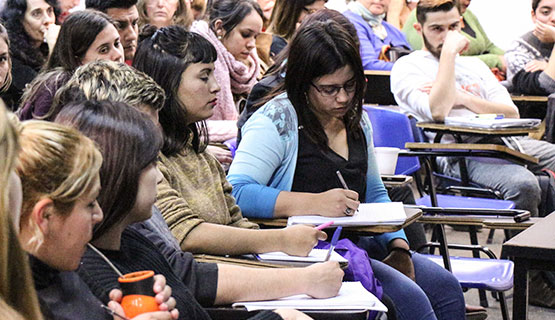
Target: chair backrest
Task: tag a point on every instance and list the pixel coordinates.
(378, 88)
(393, 129)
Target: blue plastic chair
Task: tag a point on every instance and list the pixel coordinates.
(484, 274)
(394, 129)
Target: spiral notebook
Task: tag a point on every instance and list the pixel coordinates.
(315, 256)
(351, 296)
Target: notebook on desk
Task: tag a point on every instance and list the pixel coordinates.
(315, 256)
(368, 214)
(488, 123)
(351, 296)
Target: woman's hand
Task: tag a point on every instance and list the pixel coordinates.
(298, 240)
(163, 296)
(336, 203)
(400, 260)
(223, 156)
(291, 314)
(323, 280)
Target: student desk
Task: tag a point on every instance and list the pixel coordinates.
(532, 249)
(441, 129)
(229, 313)
(531, 106)
(413, 214)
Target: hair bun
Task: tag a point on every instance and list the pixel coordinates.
(147, 32)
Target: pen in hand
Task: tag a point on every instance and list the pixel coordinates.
(334, 240)
(324, 225)
(348, 211)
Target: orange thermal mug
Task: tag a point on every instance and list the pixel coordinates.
(138, 293)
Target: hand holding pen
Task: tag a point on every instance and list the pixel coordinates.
(348, 210)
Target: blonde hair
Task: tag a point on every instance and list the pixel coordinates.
(16, 286)
(182, 16)
(108, 80)
(8, 81)
(55, 162)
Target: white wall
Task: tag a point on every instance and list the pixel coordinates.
(503, 20)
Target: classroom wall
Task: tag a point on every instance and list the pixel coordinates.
(503, 20)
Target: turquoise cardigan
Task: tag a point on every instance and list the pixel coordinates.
(264, 164)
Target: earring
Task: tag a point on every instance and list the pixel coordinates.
(219, 37)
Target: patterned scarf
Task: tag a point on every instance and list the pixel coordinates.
(373, 20)
(233, 76)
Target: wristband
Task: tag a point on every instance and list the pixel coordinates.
(406, 251)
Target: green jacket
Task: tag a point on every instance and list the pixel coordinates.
(480, 46)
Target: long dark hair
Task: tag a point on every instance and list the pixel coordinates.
(319, 49)
(129, 142)
(280, 67)
(286, 13)
(164, 55)
(22, 49)
(78, 32)
(231, 13)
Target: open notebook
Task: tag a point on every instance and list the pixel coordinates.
(475, 122)
(368, 214)
(352, 296)
(316, 255)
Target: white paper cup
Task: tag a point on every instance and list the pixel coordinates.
(387, 159)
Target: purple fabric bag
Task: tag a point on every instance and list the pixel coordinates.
(359, 268)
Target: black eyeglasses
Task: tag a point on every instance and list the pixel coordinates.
(332, 91)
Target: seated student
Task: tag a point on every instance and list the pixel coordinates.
(232, 29)
(60, 185)
(286, 16)
(479, 43)
(435, 82)
(374, 32)
(163, 13)
(260, 92)
(85, 36)
(531, 59)
(399, 11)
(126, 16)
(194, 196)
(130, 143)
(18, 299)
(293, 146)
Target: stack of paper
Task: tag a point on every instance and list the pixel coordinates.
(368, 214)
(352, 296)
(316, 255)
(477, 122)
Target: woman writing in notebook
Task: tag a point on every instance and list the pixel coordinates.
(293, 146)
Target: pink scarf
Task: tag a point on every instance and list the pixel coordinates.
(233, 76)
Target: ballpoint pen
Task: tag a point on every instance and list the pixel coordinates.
(348, 211)
(333, 242)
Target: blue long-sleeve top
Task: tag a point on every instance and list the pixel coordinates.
(265, 162)
(371, 45)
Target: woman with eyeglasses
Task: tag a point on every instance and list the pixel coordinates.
(286, 17)
(292, 147)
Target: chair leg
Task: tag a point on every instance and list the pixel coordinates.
(490, 236)
(476, 254)
(503, 304)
